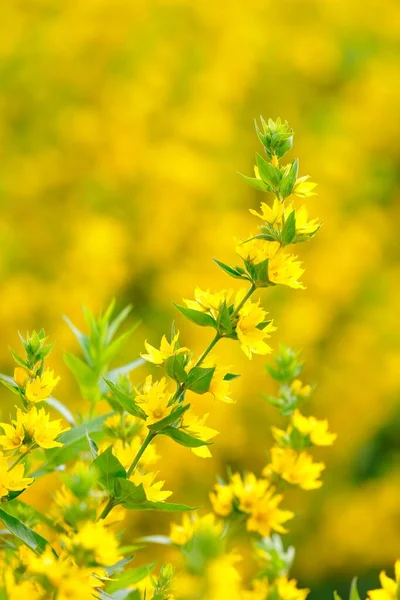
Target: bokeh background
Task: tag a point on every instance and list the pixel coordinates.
(122, 126)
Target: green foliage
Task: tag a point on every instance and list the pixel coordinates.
(183, 438)
(199, 379)
(196, 316)
(30, 538)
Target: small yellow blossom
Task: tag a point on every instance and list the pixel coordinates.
(154, 399)
(182, 534)
(295, 468)
(304, 188)
(14, 435)
(282, 588)
(219, 387)
(37, 428)
(167, 349)
(206, 301)
(248, 490)
(41, 387)
(266, 516)
(284, 269)
(67, 578)
(256, 250)
(270, 214)
(316, 429)
(14, 480)
(250, 328)
(21, 376)
(299, 389)
(390, 587)
(21, 589)
(153, 491)
(222, 499)
(303, 225)
(196, 426)
(121, 424)
(93, 544)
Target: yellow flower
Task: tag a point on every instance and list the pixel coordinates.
(222, 499)
(282, 588)
(284, 269)
(317, 430)
(93, 544)
(13, 435)
(21, 376)
(206, 301)
(38, 428)
(41, 387)
(14, 480)
(250, 328)
(390, 587)
(299, 389)
(70, 580)
(266, 516)
(248, 490)
(154, 399)
(256, 250)
(182, 534)
(270, 214)
(288, 590)
(196, 426)
(304, 188)
(153, 491)
(167, 349)
(121, 424)
(21, 589)
(295, 468)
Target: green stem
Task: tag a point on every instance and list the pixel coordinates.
(20, 457)
(108, 508)
(247, 295)
(147, 440)
(207, 351)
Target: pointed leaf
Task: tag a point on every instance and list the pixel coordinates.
(255, 183)
(128, 494)
(196, 316)
(109, 469)
(30, 538)
(170, 419)
(199, 379)
(183, 438)
(129, 578)
(268, 173)
(231, 271)
(126, 401)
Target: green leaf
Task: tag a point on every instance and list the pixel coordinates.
(255, 183)
(289, 229)
(259, 273)
(74, 440)
(128, 494)
(83, 339)
(117, 322)
(174, 367)
(82, 372)
(199, 379)
(183, 438)
(288, 182)
(169, 420)
(268, 173)
(231, 271)
(8, 383)
(162, 506)
(224, 323)
(129, 578)
(126, 401)
(108, 469)
(112, 350)
(354, 595)
(92, 446)
(18, 359)
(196, 316)
(30, 538)
(230, 376)
(336, 596)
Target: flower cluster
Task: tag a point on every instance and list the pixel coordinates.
(106, 462)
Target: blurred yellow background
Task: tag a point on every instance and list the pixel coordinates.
(122, 126)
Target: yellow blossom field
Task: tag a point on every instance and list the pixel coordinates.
(127, 153)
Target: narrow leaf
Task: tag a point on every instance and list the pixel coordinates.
(183, 438)
(196, 316)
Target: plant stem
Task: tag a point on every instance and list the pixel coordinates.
(207, 351)
(247, 295)
(108, 508)
(147, 440)
(20, 457)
